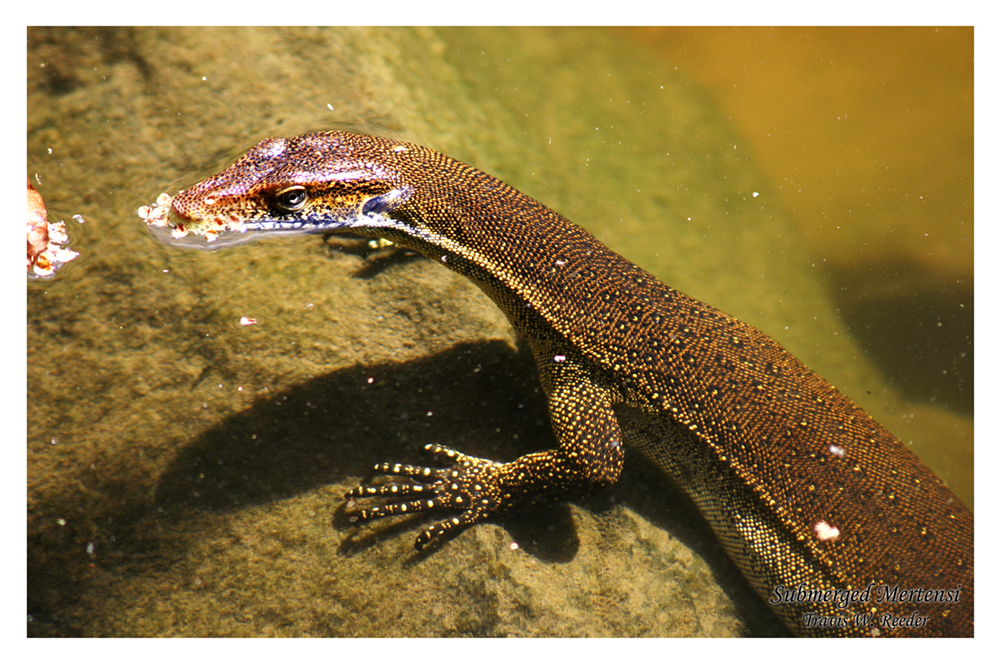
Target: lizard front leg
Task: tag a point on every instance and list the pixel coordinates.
(589, 458)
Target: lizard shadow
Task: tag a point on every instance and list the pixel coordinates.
(337, 426)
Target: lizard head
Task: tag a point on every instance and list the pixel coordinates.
(325, 181)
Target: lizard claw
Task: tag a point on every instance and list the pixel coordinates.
(468, 484)
(441, 529)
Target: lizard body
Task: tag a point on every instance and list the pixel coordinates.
(815, 502)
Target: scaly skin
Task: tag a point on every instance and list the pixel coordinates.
(805, 490)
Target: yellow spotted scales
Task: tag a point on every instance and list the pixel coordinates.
(823, 510)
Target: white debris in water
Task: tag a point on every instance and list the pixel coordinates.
(158, 214)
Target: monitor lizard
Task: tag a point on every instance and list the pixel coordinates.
(829, 516)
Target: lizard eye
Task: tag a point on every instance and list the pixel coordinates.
(291, 198)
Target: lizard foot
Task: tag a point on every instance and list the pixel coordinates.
(468, 484)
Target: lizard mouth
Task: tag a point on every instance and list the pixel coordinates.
(173, 226)
(174, 222)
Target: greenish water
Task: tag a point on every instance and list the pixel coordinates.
(184, 472)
